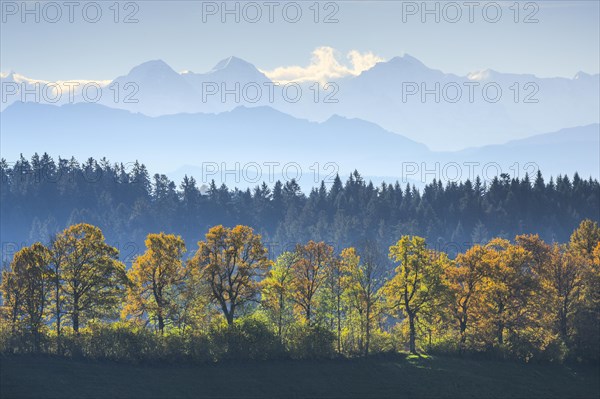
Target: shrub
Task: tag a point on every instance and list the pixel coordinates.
(310, 342)
(250, 338)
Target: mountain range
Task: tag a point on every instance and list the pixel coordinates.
(250, 136)
(445, 111)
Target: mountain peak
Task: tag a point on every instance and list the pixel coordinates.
(232, 62)
(406, 60)
(582, 75)
(153, 66)
(405, 65)
(7, 75)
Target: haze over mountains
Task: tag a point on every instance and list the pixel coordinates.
(443, 111)
(204, 145)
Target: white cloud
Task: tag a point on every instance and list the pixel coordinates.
(325, 66)
(54, 87)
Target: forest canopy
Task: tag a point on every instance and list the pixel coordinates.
(522, 299)
(102, 261)
(40, 197)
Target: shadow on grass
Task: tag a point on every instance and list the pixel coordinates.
(379, 376)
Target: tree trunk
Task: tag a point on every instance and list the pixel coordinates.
(229, 317)
(75, 317)
(280, 322)
(563, 322)
(227, 312)
(368, 331)
(412, 338)
(161, 323)
(501, 333)
(339, 326)
(58, 330)
(15, 313)
(35, 329)
(463, 335)
(280, 325)
(76, 321)
(57, 312)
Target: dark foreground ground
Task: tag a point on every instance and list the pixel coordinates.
(391, 377)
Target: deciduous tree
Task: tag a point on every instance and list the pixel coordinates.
(508, 287)
(565, 277)
(277, 291)
(465, 285)
(156, 279)
(365, 278)
(231, 262)
(310, 271)
(25, 289)
(585, 238)
(417, 283)
(93, 278)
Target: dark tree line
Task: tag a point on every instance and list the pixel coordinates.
(41, 196)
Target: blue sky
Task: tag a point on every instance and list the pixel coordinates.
(563, 42)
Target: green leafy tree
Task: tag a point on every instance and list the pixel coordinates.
(365, 278)
(333, 296)
(93, 278)
(417, 282)
(277, 291)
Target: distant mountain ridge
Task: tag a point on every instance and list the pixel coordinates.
(264, 135)
(401, 95)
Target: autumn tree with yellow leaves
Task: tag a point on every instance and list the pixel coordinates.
(524, 299)
(232, 262)
(508, 287)
(584, 251)
(157, 279)
(310, 270)
(466, 283)
(26, 290)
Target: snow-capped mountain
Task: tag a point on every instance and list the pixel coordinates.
(230, 83)
(230, 70)
(15, 87)
(152, 88)
(447, 111)
(442, 110)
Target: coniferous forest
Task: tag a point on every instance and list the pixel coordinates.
(363, 270)
(41, 196)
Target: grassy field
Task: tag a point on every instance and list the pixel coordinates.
(388, 377)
